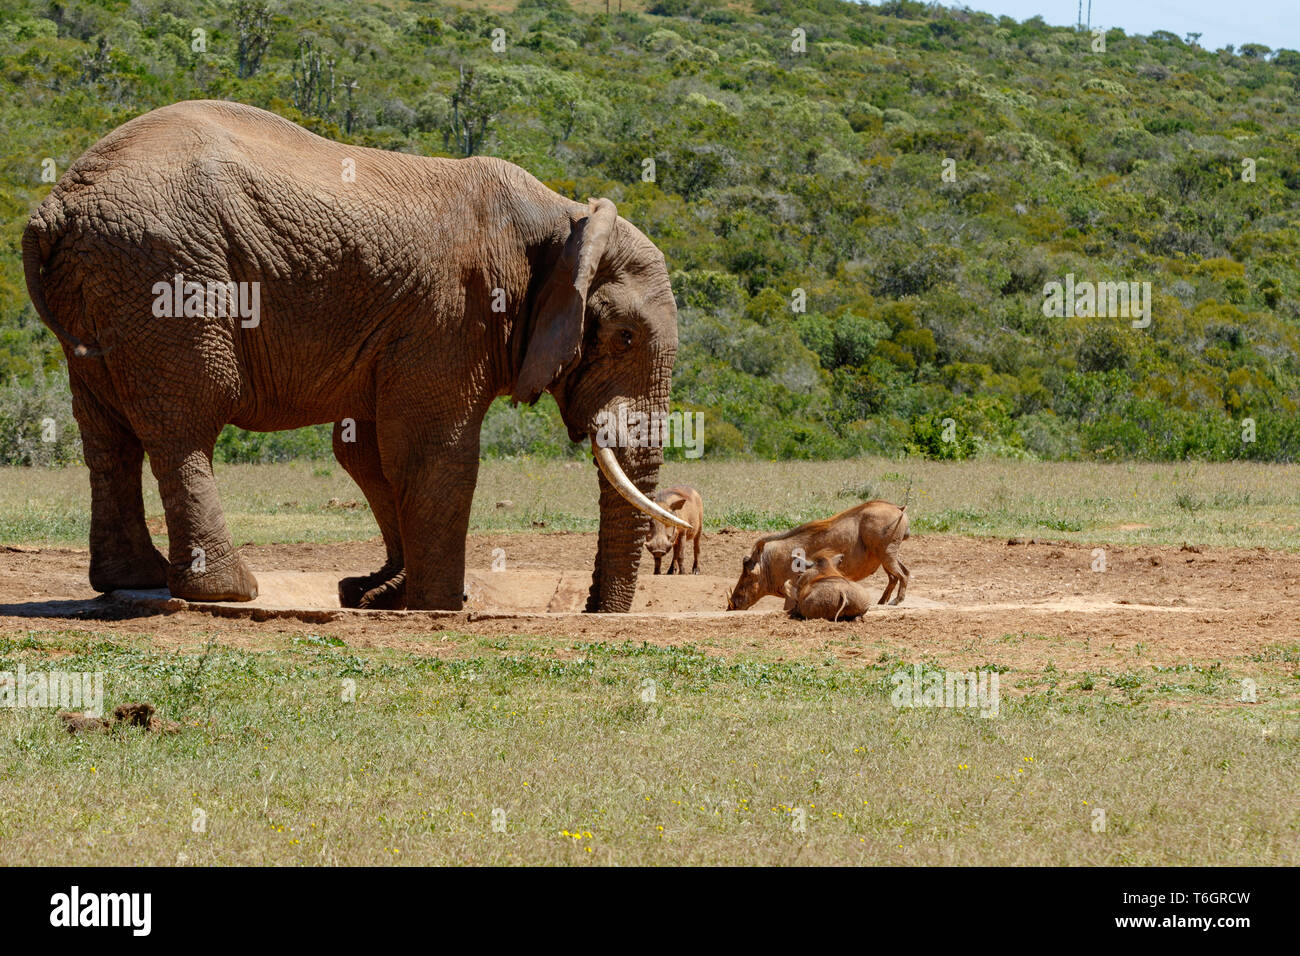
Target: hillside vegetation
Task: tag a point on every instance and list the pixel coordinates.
(913, 177)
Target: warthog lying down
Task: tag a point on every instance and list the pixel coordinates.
(823, 593)
(685, 502)
(867, 535)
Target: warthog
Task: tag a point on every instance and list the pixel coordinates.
(685, 502)
(867, 535)
(822, 592)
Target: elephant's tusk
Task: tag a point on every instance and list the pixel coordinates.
(609, 466)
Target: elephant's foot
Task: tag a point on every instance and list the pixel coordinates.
(439, 600)
(385, 590)
(226, 579)
(146, 572)
(351, 590)
(389, 596)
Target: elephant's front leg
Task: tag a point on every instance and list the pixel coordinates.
(434, 493)
(356, 446)
(203, 563)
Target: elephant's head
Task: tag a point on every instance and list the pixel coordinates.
(602, 338)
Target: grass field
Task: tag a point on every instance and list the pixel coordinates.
(468, 744)
(731, 762)
(1228, 504)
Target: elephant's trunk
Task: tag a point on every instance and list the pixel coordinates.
(623, 527)
(628, 472)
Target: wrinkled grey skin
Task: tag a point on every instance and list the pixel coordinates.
(376, 306)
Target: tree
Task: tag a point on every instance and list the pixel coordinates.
(96, 63)
(253, 25)
(349, 111)
(475, 104)
(311, 93)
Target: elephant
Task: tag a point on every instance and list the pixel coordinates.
(211, 263)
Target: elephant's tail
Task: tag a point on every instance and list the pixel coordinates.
(37, 237)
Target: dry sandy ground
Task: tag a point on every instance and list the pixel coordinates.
(971, 602)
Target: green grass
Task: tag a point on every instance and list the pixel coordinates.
(560, 737)
(1228, 504)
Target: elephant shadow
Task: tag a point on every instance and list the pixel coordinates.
(82, 609)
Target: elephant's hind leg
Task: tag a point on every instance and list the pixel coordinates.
(203, 563)
(122, 555)
(357, 450)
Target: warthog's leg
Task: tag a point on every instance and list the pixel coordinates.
(898, 575)
(679, 547)
(696, 568)
(902, 584)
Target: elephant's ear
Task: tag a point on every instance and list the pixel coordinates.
(555, 339)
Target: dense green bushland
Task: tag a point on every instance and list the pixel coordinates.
(780, 175)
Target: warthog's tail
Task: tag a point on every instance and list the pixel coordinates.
(901, 512)
(907, 499)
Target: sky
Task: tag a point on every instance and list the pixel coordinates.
(1274, 23)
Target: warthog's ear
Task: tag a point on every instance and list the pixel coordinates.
(678, 505)
(553, 342)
